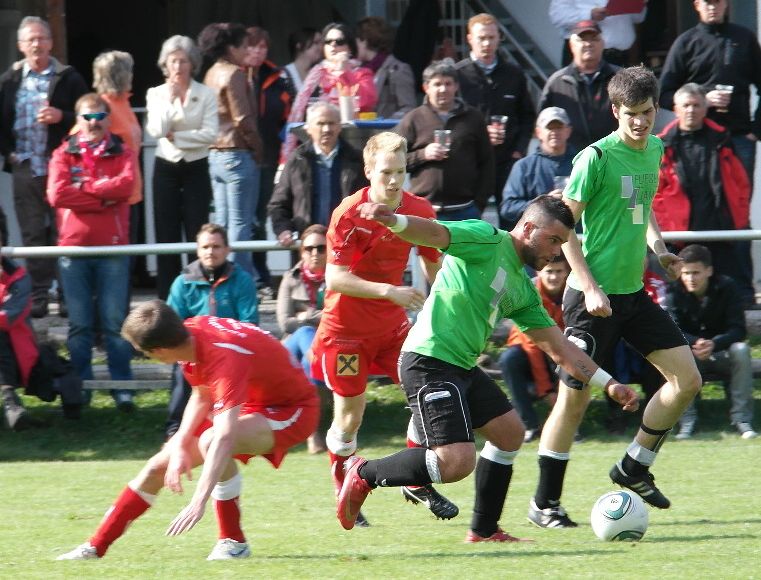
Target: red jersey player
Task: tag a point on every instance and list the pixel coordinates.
(364, 322)
(249, 398)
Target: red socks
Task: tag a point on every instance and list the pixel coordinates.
(228, 519)
(337, 469)
(128, 507)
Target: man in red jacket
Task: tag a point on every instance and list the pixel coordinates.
(90, 179)
(526, 369)
(704, 186)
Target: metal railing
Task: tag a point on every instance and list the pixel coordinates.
(273, 246)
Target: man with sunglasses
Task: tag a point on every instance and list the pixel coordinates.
(37, 96)
(91, 179)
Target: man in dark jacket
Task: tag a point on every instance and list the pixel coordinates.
(37, 97)
(703, 185)
(316, 177)
(715, 53)
(581, 88)
(498, 89)
(457, 177)
(707, 309)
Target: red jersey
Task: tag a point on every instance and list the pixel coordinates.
(371, 251)
(242, 364)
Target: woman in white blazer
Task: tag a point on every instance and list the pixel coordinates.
(182, 117)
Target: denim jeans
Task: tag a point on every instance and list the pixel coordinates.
(235, 185)
(102, 284)
(298, 344)
(734, 366)
(516, 371)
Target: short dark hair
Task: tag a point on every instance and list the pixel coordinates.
(440, 68)
(632, 86)
(300, 40)
(216, 38)
(550, 206)
(376, 32)
(154, 324)
(696, 253)
(351, 41)
(213, 229)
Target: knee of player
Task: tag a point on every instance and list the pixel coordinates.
(739, 350)
(456, 462)
(156, 466)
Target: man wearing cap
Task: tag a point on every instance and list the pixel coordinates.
(535, 174)
(498, 89)
(619, 31)
(581, 87)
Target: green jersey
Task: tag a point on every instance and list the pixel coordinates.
(481, 281)
(618, 185)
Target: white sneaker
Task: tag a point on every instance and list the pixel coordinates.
(83, 552)
(685, 430)
(746, 431)
(228, 549)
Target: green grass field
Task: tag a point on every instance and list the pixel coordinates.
(57, 483)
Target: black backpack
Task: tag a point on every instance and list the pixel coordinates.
(54, 375)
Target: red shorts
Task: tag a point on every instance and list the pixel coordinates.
(290, 426)
(345, 363)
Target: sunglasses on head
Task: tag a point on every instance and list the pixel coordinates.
(320, 248)
(94, 116)
(335, 41)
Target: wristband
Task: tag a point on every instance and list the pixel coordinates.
(599, 379)
(400, 224)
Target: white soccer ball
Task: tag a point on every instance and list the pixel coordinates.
(618, 516)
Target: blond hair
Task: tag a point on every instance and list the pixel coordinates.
(385, 142)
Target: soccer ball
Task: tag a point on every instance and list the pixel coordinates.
(618, 516)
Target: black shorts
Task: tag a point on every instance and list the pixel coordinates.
(448, 402)
(636, 318)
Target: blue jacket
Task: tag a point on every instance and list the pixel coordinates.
(531, 177)
(232, 295)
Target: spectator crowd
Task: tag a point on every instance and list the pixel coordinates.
(252, 141)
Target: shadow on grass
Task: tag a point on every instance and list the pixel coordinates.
(103, 433)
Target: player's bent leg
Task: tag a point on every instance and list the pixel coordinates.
(662, 412)
(494, 470)
(545, 510)
(132, 502)
(564, 418)
(427, 495)
(341, 438)
(683, 382)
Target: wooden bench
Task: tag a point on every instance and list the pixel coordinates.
(147, 377)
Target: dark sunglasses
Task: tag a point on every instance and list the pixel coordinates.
(335, 41)
(320, 248)
(94, 116)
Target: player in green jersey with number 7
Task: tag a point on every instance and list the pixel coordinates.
(482, 280)
(611, 189)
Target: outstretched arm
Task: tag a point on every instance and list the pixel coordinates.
(418, 231)
(576, 362)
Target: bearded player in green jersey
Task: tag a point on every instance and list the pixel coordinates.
(611, 189)
(482, 280)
